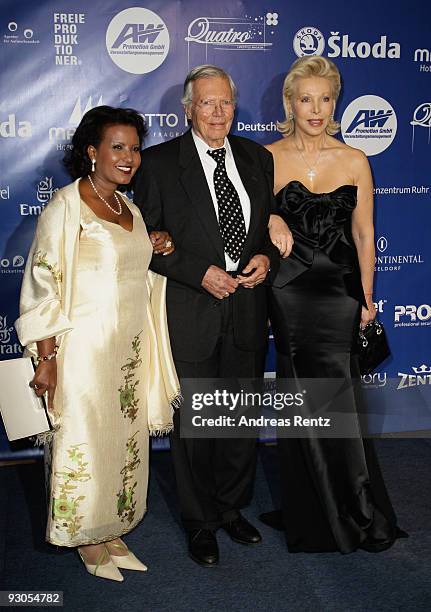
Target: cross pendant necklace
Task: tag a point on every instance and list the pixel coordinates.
(311, 169)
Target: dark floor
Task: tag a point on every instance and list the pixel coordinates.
(260, 578)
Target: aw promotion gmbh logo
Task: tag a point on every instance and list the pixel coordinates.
(137, 40)
(369, 123)
(310, 41)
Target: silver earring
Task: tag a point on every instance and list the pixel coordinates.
(290, 116)
(93, 165)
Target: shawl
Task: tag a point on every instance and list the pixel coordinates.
(46, 302)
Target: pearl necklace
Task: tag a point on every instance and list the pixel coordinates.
(312, 173)
(117, 199)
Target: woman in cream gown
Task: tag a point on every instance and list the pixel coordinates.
(87, 290)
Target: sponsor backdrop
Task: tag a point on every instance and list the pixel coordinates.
(57, 60)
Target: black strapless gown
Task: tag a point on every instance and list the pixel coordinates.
(333, 494)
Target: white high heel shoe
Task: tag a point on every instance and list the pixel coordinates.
(129, 561)
(103, 570)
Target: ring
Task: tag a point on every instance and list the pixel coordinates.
(168, 243)
(226, 294)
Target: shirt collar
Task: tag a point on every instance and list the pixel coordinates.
(202, 146)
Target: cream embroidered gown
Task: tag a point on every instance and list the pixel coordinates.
(87, 284)
(99, 464)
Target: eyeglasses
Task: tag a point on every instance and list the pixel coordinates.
(208, 106)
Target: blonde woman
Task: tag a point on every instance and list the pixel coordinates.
(334, 497)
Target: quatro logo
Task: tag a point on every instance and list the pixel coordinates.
(422, 119)
(137, 40)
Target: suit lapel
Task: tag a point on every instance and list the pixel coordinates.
(194, 182)
(250, 180)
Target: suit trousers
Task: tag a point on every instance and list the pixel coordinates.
(215, 476)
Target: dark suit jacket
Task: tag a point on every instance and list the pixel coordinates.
(172, 193)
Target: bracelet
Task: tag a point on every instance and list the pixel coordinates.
(49, 356)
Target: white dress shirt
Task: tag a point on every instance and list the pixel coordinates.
(209, 165)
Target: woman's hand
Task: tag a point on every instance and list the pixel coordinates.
(280, 235)
(368, 314)
(45, 380)
(162, 243)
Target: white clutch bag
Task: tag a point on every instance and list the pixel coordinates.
(23, 413)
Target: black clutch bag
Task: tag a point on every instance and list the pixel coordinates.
(372, 346)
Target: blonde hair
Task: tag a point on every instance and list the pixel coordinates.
(304, 68)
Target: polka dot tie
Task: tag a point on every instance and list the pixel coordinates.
(230, 215)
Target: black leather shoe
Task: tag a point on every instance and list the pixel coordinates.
(240, 530)
(203, 547)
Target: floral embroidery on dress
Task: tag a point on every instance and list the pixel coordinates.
(40, 260)
(65, 506)
(128, 400)
(126, 504)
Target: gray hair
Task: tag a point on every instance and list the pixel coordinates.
(203, 72)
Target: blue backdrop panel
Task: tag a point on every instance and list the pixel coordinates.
(57, 60)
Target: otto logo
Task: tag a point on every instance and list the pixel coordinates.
(11, 128)
(308, 41)
(137, 40)
(412, 315)
(382, 244)
(369, 123)
(421, 376)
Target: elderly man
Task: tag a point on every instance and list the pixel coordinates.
(213, 193)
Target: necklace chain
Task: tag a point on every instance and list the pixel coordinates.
(312, 172)
(117, 199)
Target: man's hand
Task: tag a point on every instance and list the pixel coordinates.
(162, 243)
(258, 266)
(280, 235)
(217, 282)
